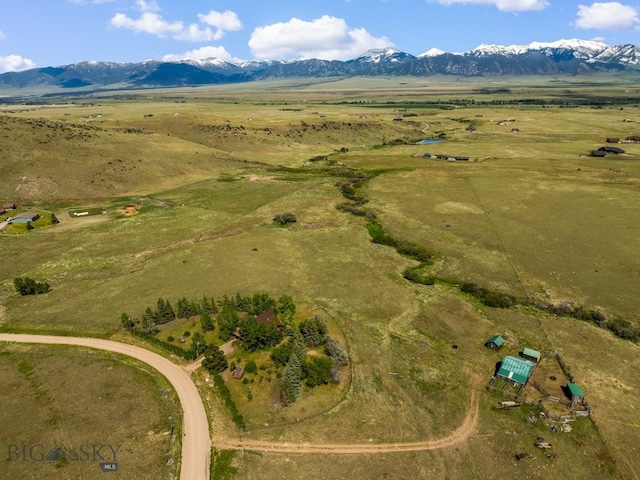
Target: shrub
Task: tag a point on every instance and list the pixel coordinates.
(284, 218)
(250, 367)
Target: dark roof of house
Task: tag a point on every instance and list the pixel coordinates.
(27, 215)
(598, 153)
(267, 317)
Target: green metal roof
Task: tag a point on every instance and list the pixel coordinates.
(516, 369)
(575, 389)
(530, 352)
(497, 339)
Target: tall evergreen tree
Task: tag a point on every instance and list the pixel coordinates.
(198, 346)
(206, 322)
(149, 322)
(214, 360)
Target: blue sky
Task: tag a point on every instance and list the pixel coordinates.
(40, 33)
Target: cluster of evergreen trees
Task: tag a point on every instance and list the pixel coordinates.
(298, 369)
(28, 286)
(312, 370)
(228, 317)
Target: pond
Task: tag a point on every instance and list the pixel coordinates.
(430, 141)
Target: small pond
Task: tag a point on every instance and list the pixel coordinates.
(430, 141)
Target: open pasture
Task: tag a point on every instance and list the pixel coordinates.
(530, 213)
(76, 398)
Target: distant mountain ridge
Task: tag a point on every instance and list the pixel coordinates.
(572, 57)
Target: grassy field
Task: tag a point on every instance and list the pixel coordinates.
(79, 398)
(530, 214)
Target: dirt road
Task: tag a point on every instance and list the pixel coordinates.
(196, 443)
(461, 434)
(196, 446)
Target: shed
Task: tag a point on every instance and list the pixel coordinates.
(495, 342)
(515, 369)
(531, 354)
(238, 372)
(612, 140)
(9, 206)
(577, 396)
(25, 217)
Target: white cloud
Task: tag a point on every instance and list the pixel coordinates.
(148, 22)
(15, 63)
(607, 16)
(200, 53)
(152, 23)
(226, 21)
(504, 5)
(328, 38)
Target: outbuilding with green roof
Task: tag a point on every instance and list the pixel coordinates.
(531, 354)
(577, 396)
(495, 342)
(515, 369)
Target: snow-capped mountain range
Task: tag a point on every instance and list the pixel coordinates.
(573, 57)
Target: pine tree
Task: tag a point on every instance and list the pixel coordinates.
(206, 322)
(149, 322)
(183, 308)
(198, 346)
(335, 352)
(214, 360)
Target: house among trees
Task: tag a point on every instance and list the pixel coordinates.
(515, 369)
(495, 342)
(577, 396)
(531, 354)
(269, 316)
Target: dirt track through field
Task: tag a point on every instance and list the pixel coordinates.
(461, 434)
(196, 443)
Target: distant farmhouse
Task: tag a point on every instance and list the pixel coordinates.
(26, 217)
(602, 151)
(452, 158)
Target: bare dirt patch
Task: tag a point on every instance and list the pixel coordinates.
(129, 210)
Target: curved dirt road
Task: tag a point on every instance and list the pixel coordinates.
(462, 433)
(196, 443)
